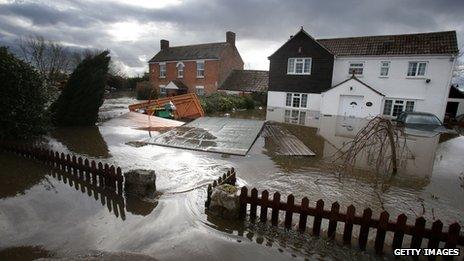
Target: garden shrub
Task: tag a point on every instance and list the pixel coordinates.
(145, 91)
(220, 102)
(83, 93)
(22, 99)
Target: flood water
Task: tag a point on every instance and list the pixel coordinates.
(44, 212)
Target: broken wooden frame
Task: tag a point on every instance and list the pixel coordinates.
(98, 173)
(418, 231)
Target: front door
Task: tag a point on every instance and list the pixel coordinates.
(350, 105)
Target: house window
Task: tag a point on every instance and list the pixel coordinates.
(180, 70)
(200, 90)
(200, 69)
(296, 100)
(295, 117)
(384, 68)
(356, 68)
(395, 107)
(299, 65)
(162, 67)
(162, 89)
(416, 69)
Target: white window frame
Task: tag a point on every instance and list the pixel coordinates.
(399, 103)
(162, 73)
(202, 74)
(416, 71)
(200, 87)
(384, 65)
(350, 67)
(161, 88)
(293, 97)
(295, 116)
(180, 72)
(305, 68)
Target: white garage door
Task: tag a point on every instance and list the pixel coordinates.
(350, 105)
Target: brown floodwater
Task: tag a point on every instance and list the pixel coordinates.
(45, 212)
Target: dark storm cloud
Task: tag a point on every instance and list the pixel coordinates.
(86, 23)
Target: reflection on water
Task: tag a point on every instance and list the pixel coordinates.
(86, 141)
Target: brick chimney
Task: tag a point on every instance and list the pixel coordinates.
(164, 44)
(230, 38)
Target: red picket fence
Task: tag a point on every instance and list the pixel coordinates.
(382, 225)
(226, 178)
(98, 173)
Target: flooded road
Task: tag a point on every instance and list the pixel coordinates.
(44, 209)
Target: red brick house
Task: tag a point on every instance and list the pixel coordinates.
(199, 68)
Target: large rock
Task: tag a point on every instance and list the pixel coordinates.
(225, 201)
(140, 182)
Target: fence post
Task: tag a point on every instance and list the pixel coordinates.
(264, 203)
(453, 235)
(364, 230)
(418, 231)
(381, 232)
(318, 217)
(303, 215)
(289, 211)
(275, 209)
(243, 202)
(348, 230)
(253, 203)
(209, 191)
(399, 232)
(333, 220)
(434, 239)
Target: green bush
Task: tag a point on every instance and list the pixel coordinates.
(22, 99)
(220, 102)
(83, 93)
(145, 91)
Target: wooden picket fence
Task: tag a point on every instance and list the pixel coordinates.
(382, 225)
(226, 178)
(97, 173)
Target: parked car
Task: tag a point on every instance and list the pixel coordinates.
(421, 124)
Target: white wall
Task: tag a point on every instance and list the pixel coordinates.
(277, 99)
(331, 99)
(430, 97)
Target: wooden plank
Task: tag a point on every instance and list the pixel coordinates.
(303, 216)
(243, 202)
(399, 233)
(348, 230)
(381, 232)
(263, 208)
(318, 217)
(418, 233)
(453, 235)
(254, 201)
(275, 209)
(332, 221)
(289, 212)
(364, 230)
(287, 143)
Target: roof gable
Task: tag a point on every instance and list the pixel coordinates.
(354, 78)
(403, 44)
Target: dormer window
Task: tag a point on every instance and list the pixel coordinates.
(200, 69)
(299, 65)
(162, 67)
(180, 70)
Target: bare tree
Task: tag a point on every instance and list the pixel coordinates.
(51, 59)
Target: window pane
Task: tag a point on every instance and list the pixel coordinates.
(299, 68)
(304, 100)
(200, 91)
(302, 119)
(356, 68)
(291, 65)
(384, 71)
(412, 69)
(421, 70)
(397, 109)
(410, 106)
(387, 107)
(296, 102)
(287, 116)
(288, 101)
(307, 65)
(200, 69)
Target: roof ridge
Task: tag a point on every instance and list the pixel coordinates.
(383, 35)
(196, 45)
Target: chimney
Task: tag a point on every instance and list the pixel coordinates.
(230, 38)
(164, 44)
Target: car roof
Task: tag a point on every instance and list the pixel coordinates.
(418, 113)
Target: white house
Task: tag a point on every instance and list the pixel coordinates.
(364, 76)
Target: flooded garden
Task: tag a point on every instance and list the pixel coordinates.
(44, 212)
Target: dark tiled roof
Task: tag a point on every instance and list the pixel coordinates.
(455, 92)
(404, 44)
(247, 81)
(191, 52)
(358, 80)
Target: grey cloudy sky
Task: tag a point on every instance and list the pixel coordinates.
(131, 29)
